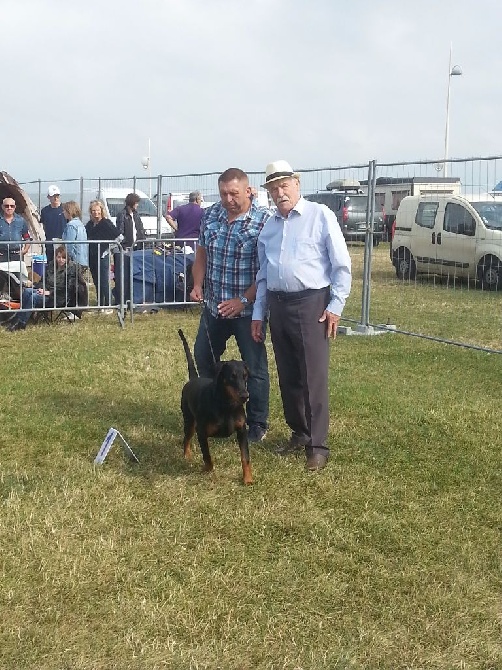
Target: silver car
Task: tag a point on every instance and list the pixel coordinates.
(350, 210)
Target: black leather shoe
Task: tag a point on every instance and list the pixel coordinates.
(17, 325)
(316, 461)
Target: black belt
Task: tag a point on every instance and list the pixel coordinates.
(293, 295)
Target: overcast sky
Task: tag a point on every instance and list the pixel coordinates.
(220, 83)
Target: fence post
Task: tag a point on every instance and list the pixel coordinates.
(82, 197)
(121, 296)
(368, 248)
(159, 207)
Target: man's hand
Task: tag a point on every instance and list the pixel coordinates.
(196, 294)
(331, 323)
(228, 309)
(257, 331)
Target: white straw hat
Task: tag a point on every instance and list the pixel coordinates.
(278, 170)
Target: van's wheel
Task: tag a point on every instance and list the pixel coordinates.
(490, 273)
(405, 265)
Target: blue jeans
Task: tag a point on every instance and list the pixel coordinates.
(101, 278)
(30, 299)
(252, 353)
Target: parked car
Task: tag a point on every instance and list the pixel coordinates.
(345, 199)
(449, 235)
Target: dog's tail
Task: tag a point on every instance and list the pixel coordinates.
(192, 370)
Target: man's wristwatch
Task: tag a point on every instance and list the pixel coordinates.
(243, 299)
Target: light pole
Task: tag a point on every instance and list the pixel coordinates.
(146, 163)
(454, 71)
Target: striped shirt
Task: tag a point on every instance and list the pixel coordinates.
(232, 257)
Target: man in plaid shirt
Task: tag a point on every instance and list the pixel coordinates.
(224, 271)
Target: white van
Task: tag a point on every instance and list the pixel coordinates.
(449, 235)
(114, 202)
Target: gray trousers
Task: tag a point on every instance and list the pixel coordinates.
(301, 351)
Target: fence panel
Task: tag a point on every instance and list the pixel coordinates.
(433, 279)
(445, 297)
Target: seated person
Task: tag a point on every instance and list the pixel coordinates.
(61, 288)
(13, 228)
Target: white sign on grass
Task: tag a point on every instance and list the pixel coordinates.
(107, 445)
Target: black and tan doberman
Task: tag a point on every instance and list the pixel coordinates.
(215, 408)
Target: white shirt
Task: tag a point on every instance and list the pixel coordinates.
(304, 250)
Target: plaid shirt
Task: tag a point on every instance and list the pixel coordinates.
(232, 256)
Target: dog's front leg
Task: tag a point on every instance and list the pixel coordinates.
(242, 438)
(204, 447)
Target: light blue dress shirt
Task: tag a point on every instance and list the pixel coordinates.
(303, 251)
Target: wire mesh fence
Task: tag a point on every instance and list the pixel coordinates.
(425, 237)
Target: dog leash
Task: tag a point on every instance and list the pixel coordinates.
(206, 325)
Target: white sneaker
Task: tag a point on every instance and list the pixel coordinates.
(106, 311)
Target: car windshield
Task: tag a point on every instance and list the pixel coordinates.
(357, 203)
(145, 207)
(490, 212)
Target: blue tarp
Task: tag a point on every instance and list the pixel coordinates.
(158, 277)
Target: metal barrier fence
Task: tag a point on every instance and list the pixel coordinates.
(442, 297)
(152, 276)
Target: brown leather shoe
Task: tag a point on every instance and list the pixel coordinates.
(316, 461)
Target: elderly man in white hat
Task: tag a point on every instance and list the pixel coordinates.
(53, 220)
(304, 279)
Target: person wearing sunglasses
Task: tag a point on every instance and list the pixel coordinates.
(13, 228)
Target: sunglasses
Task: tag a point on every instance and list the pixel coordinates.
(10, 206)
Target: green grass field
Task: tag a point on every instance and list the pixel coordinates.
(389, 558)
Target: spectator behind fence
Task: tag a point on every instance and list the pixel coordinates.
(185, 219)
(224, 270)
(75, 232)
(129, 223)
(304, 280)
(53, 220)
(62, 286)
(13, 228)
(100, 228)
